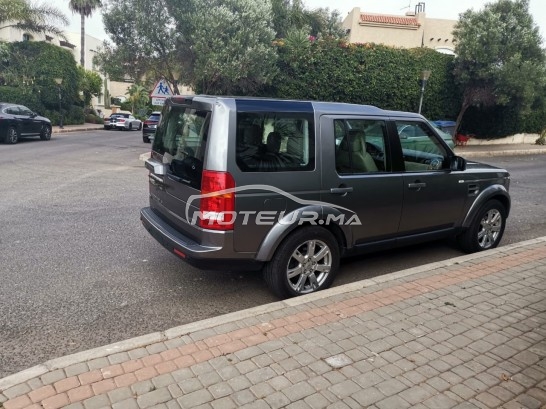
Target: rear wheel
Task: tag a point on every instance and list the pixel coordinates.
(305, 262)
(140, 126)
(12, 137)
(45, 133)
(130, 127)
(486, 230)
(145, 139)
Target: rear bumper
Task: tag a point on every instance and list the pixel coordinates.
(195, 254)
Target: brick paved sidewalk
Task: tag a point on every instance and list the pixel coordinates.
(466, 333)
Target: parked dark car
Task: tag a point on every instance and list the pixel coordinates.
(17, 121)
(149, 126)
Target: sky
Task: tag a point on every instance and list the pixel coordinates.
(434, 8)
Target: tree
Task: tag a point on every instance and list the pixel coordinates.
(33, 18)
(143, 46)
(291, 15)
(90, 84)
(84, 8)
(138, 96)
(224, 46)
(499, 56)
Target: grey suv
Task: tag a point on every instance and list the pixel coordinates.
(290, 187)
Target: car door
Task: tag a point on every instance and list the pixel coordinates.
(16, 116)
(31, 126)
(357, 175)
(433, 195)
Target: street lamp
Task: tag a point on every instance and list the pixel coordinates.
(59, 81)
(423, 83)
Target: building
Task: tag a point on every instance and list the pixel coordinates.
(409, 31)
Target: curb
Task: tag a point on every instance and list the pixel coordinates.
(66, 130)
(143, 341)
(508, 152)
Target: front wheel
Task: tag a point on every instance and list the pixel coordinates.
(486, 230)
(45, 133)
(305, 262)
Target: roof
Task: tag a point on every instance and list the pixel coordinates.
(310, 106)
(384, 19)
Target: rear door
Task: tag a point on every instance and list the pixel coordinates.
(17, 118)
(357, 174)
(180, 146)
(275, 148)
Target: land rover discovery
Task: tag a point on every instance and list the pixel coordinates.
(290, 187)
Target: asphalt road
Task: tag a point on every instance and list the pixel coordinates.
(77, 270)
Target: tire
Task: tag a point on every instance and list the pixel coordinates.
(486, 230)
(130, 127)
(145, 139)
(139, 127)
(298, 252)
(12, 136)
(45, 133)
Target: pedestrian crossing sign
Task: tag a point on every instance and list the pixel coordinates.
(161, 89)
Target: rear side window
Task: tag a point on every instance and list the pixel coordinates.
(182, 140)
(275, 142)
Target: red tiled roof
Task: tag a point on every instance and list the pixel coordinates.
(382, 19)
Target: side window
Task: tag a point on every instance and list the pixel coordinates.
(25, 111)
(360, 146)
(275, 142)
(13, 111)
(421, 149)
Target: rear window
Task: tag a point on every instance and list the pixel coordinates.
(154, 117)
(182, 140)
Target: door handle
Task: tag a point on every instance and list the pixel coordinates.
(156, 181)
(341, 190)
(416, 185)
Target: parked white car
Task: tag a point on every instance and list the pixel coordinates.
(125, 122)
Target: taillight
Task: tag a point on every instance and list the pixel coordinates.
(121, 120)
(218, 211)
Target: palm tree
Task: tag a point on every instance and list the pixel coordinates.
(138, 95)
(84, 8)
(34, 18)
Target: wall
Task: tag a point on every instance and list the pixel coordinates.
(409, 31)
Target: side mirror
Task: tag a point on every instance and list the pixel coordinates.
(458, 163)
(33, 115)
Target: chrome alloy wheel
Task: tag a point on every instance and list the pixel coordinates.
(309, 266)
(490, 228)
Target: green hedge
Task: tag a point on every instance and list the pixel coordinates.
(333, 70)
(387, 77)
(42, 62)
